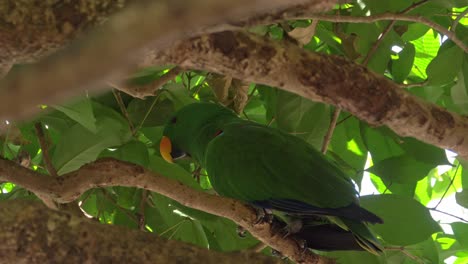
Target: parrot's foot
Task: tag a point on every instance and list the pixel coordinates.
(241, 232)
(263, 216)
(286, 230)
(301, 243)
(276, 253)
(293, 227)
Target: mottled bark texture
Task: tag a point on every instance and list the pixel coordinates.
(30, 30)
(32, 233)
(113, 48)
(320, 77)
(111, 172)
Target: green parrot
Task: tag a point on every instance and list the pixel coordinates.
(275, 171)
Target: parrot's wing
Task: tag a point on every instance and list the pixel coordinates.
(298, 208)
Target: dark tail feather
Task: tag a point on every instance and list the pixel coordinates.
(328, 237)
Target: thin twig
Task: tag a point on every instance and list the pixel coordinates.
(413, 6)
(123, 109)
(404, 251)
(141, 214)
(457, 20)
(156, 98)
(387, 16)
(45, 150)
(412, 85)
(448, 187)
(449, 214)
(331, 128)
(251, 95)
(271, 121)
(376, 45)
(114, 202)
(387, 30)
(344, 119)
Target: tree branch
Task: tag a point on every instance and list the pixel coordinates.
(111, 172)
(331, 128)
(33, 234)
(388, 16)
(457, 20)
(324, 78)
(100, 57)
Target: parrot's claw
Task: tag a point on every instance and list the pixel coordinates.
(263, 216)
(276, 253)
(290, 229)
(241, 232)
(302, 244)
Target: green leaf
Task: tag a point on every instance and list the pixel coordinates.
(123, 219)
(348, 145)
(460, 230)
(153, 113)
(178, 94)
(153, 133)
(462, 198)
(445, 66)
(355, 257)
(424, 152)
(376, 6)
(406, 221)
(459, 92)
(402, 66)
(379, 62)
(78, 145)
(191, 231)
(400, 169)
(426, 251)
(380, 142)
(167, 220)
(415, 31)
(224, 236)
(172, 171)
(90, 204)
(294, 115)
(134, 151)
(426, 50)
(81, 112)
(127, 197)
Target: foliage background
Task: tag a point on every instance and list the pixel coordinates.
(412, 180)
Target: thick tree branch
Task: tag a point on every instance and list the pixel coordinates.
(101, 57)
(31, 233)
(324, 78)
(111, 172)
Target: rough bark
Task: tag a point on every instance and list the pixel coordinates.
(32, 233)
(113, 48)
(111, 172)
(323, 78)
(30, 30)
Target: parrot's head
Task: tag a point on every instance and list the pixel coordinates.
(191, 129)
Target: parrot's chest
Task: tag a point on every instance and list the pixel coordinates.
(234, 172)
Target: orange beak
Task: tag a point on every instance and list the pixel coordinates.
(165, 148)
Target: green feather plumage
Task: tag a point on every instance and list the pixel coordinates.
(251, 162)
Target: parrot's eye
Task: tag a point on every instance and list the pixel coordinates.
(174, 120)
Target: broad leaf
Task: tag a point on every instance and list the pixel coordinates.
(81, 112)
(406, 221)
